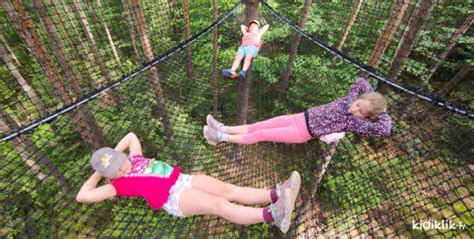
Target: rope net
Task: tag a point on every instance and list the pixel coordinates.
(68, 108)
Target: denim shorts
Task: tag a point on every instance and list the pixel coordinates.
(172, 205)
(245, 50)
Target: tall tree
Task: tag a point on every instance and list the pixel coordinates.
(446, 90)
(53, 40)
(172, 17)
(130, 27)
(109, 36)
(294, 48)
(155, 80)
(9, 49)
(396, 16)
(70, 17)
(75, 52)
(411, 17)
(61, 24)
(31, 154)
(412, 36)
(92, 43)
(251, 12)
(24, 25)
(452, 42)
(25, 85)
(187, 35)
(215, 41)
(350, 23)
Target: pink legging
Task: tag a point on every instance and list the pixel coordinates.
(282, 129)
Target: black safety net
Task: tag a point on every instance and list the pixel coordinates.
(79, 76)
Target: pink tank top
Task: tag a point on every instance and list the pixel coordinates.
(149, 178)
(251, 40)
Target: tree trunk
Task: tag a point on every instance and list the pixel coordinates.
(318, 175)
(131, 29)
(171, 4)
(53, 40)
(75, 53)
(109, 36)
(187, 35)
(440, 114)
(70, 17)
(29, 91)
(408, 24)
(294, 48)
(155, 80)
(9, 50)
(396, 16)
(412, 36)
(251, 13)
(215, 41)
(28, 151)
(456, 81)
(452, 42)
(24, 25)
(71, 44)
(350, 23)
(98, 58)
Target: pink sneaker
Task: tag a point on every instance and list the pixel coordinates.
(293, 183)
(213, 123)
(212, 136)
(281, 211)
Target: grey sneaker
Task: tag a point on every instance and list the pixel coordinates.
(281, 211)
(213, 136)
(213, 123)
(293, 183)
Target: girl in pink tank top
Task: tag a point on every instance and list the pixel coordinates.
(164, 186)
(251, 42)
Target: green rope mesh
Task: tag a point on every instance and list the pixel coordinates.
(372, 187)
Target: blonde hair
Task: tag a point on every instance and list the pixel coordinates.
(378, 103)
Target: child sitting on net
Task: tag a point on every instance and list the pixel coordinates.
(251, 43)
(164, 186)
(361, 111)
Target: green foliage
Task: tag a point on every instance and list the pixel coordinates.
(356, 188)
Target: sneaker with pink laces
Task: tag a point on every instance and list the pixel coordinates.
(212, 136)
(281, 211)
(293, 183)
(213, 123)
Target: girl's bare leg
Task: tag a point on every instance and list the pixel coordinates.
(196, 202)
(247, 61)
(245, 195)
(237, 61)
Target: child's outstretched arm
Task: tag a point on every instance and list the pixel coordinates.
(264, 29)
(131, 142)
(359, 87)
(243, 29)
(89, 193)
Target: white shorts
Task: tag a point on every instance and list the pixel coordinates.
(172, 205)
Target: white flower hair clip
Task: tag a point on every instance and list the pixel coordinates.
(105, 160)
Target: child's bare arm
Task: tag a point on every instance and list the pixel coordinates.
(243, 29)
(89, 193)
(264, 29)
(131, 142)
